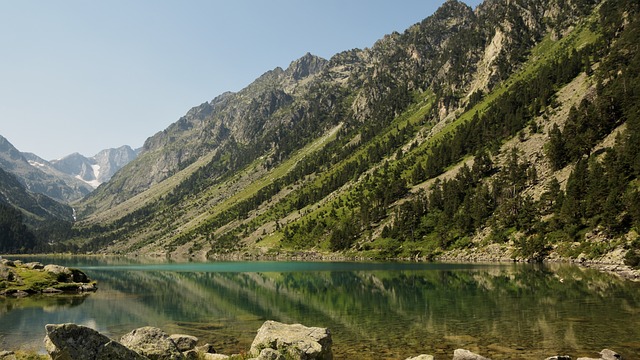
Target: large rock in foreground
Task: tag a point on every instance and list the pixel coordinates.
(152, 343)
(71, 342)
(293, 341)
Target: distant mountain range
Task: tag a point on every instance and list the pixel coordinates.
(93, 170)
(67, 179)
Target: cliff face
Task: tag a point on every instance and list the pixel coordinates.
(364, 151)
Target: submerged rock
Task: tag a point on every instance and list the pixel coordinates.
(293, 341)
(605, 354)
(76, 342)
(462, 354)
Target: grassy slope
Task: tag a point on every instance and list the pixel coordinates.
(546, 51)
(192, 214)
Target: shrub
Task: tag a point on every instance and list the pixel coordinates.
(632, 258)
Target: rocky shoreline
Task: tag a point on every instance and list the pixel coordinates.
(273, 341)
(612, 263)
(18, 279)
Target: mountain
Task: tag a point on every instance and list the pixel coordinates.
(97, 169)
(28, 220)
(37, 177)
(509, 130)
(37, 208)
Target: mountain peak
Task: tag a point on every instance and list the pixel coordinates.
(305, 66)
(98, 168)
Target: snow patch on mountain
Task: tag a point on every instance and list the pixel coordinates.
(97, 169)
(36, 164)
(93, 183)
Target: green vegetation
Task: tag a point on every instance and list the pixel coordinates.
(396, 157)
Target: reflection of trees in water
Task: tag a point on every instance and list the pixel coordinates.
(48, 303)
(396, 311)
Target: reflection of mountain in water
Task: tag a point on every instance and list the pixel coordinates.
(393, 312)
(22, 319)
(501, 311)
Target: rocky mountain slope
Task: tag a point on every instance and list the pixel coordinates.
(37, 207)
(37, 177)
(469, 130)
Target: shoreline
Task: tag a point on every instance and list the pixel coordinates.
(457, 258)
(611, 263)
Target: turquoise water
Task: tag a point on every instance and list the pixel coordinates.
(374, 310)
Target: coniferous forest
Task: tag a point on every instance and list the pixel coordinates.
(415, 148)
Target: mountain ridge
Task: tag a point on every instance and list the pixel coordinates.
(37, 177)
(446, 137)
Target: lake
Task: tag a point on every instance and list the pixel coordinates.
(374, 310)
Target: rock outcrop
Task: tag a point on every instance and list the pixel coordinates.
(19, 279)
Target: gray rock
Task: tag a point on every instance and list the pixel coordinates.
(88, 287)
(192, 355)
(51, 290)
(7, 355)
(7, 274)
(62, 273)
(66, 274)
(184, 342)
(206, 349)
(559, 357)
(607, 354)
(75, 342)
(215, 357)
(421, 357)
(34, 266)
(270, 354)
(462, 354)
(6, 262)
(19, 294)
(152, 343)
(293, 341)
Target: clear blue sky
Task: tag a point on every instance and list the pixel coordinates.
(82, 76)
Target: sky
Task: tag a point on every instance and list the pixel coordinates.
(83, 76)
